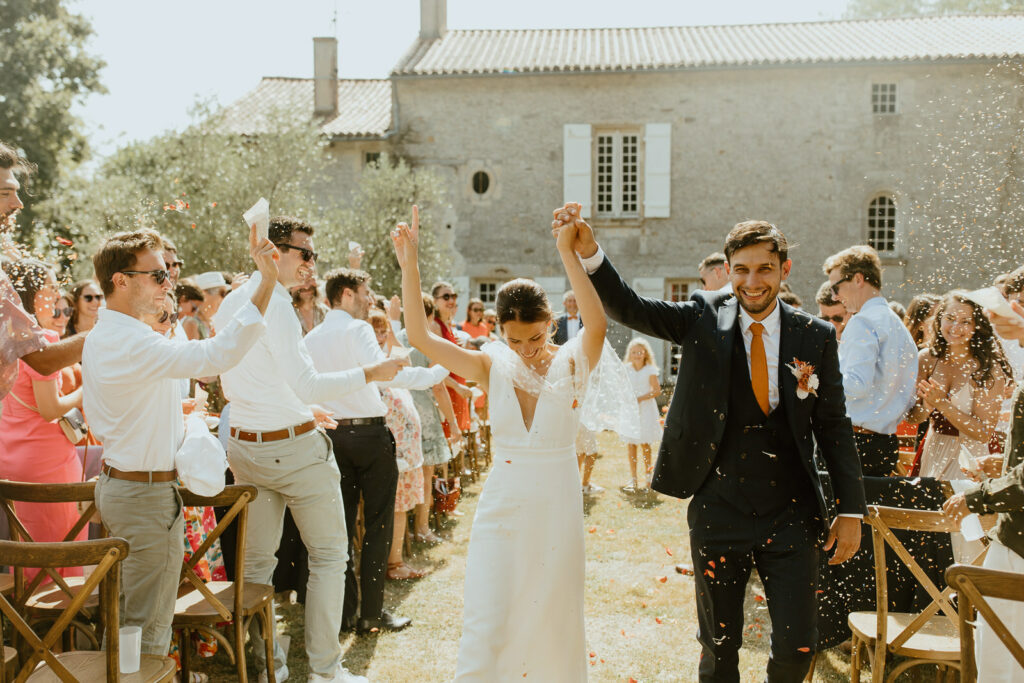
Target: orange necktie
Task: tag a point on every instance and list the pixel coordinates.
(759, 368)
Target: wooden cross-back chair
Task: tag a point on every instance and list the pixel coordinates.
(973, 585)
(201, 605)
(40, 664)
(925, 637)
(44, 602)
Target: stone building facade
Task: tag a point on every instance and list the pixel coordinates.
(671, 136)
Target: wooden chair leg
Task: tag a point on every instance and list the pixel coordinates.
(268, 642)
(239, 624)
(184, 643)
(855, 660)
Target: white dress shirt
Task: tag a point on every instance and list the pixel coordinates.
(770, 336)
(130, 375)
(342, 343)
(878, 359)
(274, 385)
(572, 326)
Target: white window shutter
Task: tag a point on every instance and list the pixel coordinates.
(577, 165)
(657, 169)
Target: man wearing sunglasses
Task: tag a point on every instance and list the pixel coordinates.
(132, 394)
(877, 356)
(276, 445)
(20, 336)
(831, 310)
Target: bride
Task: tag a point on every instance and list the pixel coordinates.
(523, 614)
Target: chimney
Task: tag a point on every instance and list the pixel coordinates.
(325, 76)
(433, 19)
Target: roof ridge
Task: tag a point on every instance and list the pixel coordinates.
(310, 78)
(914, 19)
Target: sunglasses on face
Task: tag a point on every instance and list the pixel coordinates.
(832, 318)
(63, 312)
(448, 296)
(176, 264)
(165, 317)
(307, 254)
(89, 298)
(159, 276)
(477, 310)
(835, 285)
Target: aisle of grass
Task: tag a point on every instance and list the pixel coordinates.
(641, 622)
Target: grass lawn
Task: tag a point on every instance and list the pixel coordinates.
(641, 622)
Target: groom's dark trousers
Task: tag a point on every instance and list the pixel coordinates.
(758, 499)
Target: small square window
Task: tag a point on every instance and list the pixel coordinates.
(883, 98)
(371, 158)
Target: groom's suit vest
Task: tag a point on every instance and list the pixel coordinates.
(758, 467)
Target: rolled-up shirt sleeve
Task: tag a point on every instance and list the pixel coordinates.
(417, 378)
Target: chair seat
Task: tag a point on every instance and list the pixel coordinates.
(937, 639)
(193, 608)
(51, 597)
(92, 666)
(10, 655)
(6, 582)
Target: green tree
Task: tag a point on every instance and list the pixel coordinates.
(881, 9)
(193, 186)
(44, 70)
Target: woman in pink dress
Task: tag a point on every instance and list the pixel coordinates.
(32, 447)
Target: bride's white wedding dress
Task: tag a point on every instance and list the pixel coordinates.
(523, 614)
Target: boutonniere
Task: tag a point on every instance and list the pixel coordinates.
(806, 380)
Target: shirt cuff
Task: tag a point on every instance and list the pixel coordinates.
(592, 263)
(248, 314)
(850, 514)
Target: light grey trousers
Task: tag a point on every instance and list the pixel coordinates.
(149, 517)
(301, 473)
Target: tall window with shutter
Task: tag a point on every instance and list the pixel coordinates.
(618, 172)
(675, 290)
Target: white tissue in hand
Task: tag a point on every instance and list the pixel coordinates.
(259, 213)
(992, 299)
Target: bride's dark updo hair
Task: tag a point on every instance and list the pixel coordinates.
(522, 300)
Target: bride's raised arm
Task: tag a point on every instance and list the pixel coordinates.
(473, 365)
(595, 324)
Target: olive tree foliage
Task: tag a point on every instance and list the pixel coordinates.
(193, 186)
(45, 69)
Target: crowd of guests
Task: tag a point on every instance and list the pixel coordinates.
(317, 391)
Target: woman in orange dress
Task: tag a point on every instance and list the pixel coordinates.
(32, 446)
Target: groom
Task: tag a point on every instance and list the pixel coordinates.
(741, 440)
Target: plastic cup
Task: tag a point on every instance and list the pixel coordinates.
(130, 652)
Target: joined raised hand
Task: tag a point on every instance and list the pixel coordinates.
(405, 238)
(570, 216)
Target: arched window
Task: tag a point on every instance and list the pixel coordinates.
(882, 224)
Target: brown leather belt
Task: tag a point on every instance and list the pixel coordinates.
(277, 435)
(861, 430)
(145, 477)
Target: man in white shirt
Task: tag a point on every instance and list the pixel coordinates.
(363, 446)
(133, 403)
(275, 445)
(877, 356)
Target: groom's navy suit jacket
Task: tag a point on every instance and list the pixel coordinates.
(705, 328)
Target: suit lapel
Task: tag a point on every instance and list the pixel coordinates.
(726, 332)
(789, 348)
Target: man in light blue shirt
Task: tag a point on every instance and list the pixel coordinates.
(877, 356)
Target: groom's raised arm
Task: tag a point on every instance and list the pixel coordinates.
(669, 320)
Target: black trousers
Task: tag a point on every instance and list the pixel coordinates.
(366, 458)
(726, 543)
(878, 453)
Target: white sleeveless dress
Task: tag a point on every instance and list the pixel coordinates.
(523, 614)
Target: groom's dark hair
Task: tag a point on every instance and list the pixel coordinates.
(749, 233)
